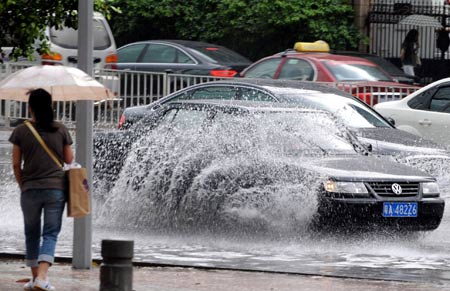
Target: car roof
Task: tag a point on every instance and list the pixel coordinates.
(179, 42)
(277, 83)
(190, 43)
(444, 81)
(331, 57)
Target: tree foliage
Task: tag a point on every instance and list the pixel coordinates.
(254, 28)
(24, 21)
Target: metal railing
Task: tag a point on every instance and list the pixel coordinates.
(374, 94)
(132, 88)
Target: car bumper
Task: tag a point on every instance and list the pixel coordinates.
(368, 213)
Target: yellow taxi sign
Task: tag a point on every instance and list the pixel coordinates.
(319, 46)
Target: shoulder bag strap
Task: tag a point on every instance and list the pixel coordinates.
(42, 142)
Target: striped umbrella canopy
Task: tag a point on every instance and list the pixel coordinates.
(421, 20)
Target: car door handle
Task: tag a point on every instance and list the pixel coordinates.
(425, 122)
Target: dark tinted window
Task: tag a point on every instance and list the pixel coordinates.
(296, 69)
(68, 37)
(265, 69)
(422, 101)
(441, 100)
(157, 53)
(160, 53)
(227, 93)
(130, 53)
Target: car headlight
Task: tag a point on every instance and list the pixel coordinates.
(345, 187)
(430, 189)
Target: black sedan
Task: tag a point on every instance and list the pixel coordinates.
(365, 122)
(181, 57)
(216, 163)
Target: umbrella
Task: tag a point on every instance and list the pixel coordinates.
(421, 20)
(64, 83)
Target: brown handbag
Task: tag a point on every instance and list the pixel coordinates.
(78, 198)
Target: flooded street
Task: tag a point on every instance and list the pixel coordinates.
(421, 257)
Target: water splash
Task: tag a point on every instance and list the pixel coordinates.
(219, 177)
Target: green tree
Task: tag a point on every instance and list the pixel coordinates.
(24, 21)
(255, 28)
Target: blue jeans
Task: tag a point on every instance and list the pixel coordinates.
(33, 203)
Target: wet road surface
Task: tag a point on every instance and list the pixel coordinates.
(188, 279)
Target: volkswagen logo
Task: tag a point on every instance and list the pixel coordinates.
(396, 188)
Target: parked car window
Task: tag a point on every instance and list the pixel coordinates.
(130, 54)
(296, 69)
(183, 58)
(159, 53)
(441, 100)
(265, 69)
(255, 95)
(432, 100)
(422, 101)
(68, 37)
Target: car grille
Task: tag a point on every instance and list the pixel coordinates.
(384, 189)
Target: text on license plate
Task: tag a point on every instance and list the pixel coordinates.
(400, 209)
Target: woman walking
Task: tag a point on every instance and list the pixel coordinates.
(409, 52)
(42, 184)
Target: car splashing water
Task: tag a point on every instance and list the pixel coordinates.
(213, 177)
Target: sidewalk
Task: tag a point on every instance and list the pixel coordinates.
(65, 278)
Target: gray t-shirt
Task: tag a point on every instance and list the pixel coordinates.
(39, 171)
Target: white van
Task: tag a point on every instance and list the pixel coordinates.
(63, 46)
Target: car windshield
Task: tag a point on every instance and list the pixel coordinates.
(301, 133)
(355, 72)
(284, 132)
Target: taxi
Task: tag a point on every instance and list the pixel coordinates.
(314, 62)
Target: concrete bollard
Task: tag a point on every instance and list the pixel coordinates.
(116, 270)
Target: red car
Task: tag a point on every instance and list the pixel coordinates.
(312, 62)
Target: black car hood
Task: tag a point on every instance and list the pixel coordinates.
(365, 168)
(391, 141)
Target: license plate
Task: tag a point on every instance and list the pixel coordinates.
(400, 209)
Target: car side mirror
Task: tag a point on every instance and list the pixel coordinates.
(391, 120)
(368, 146)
